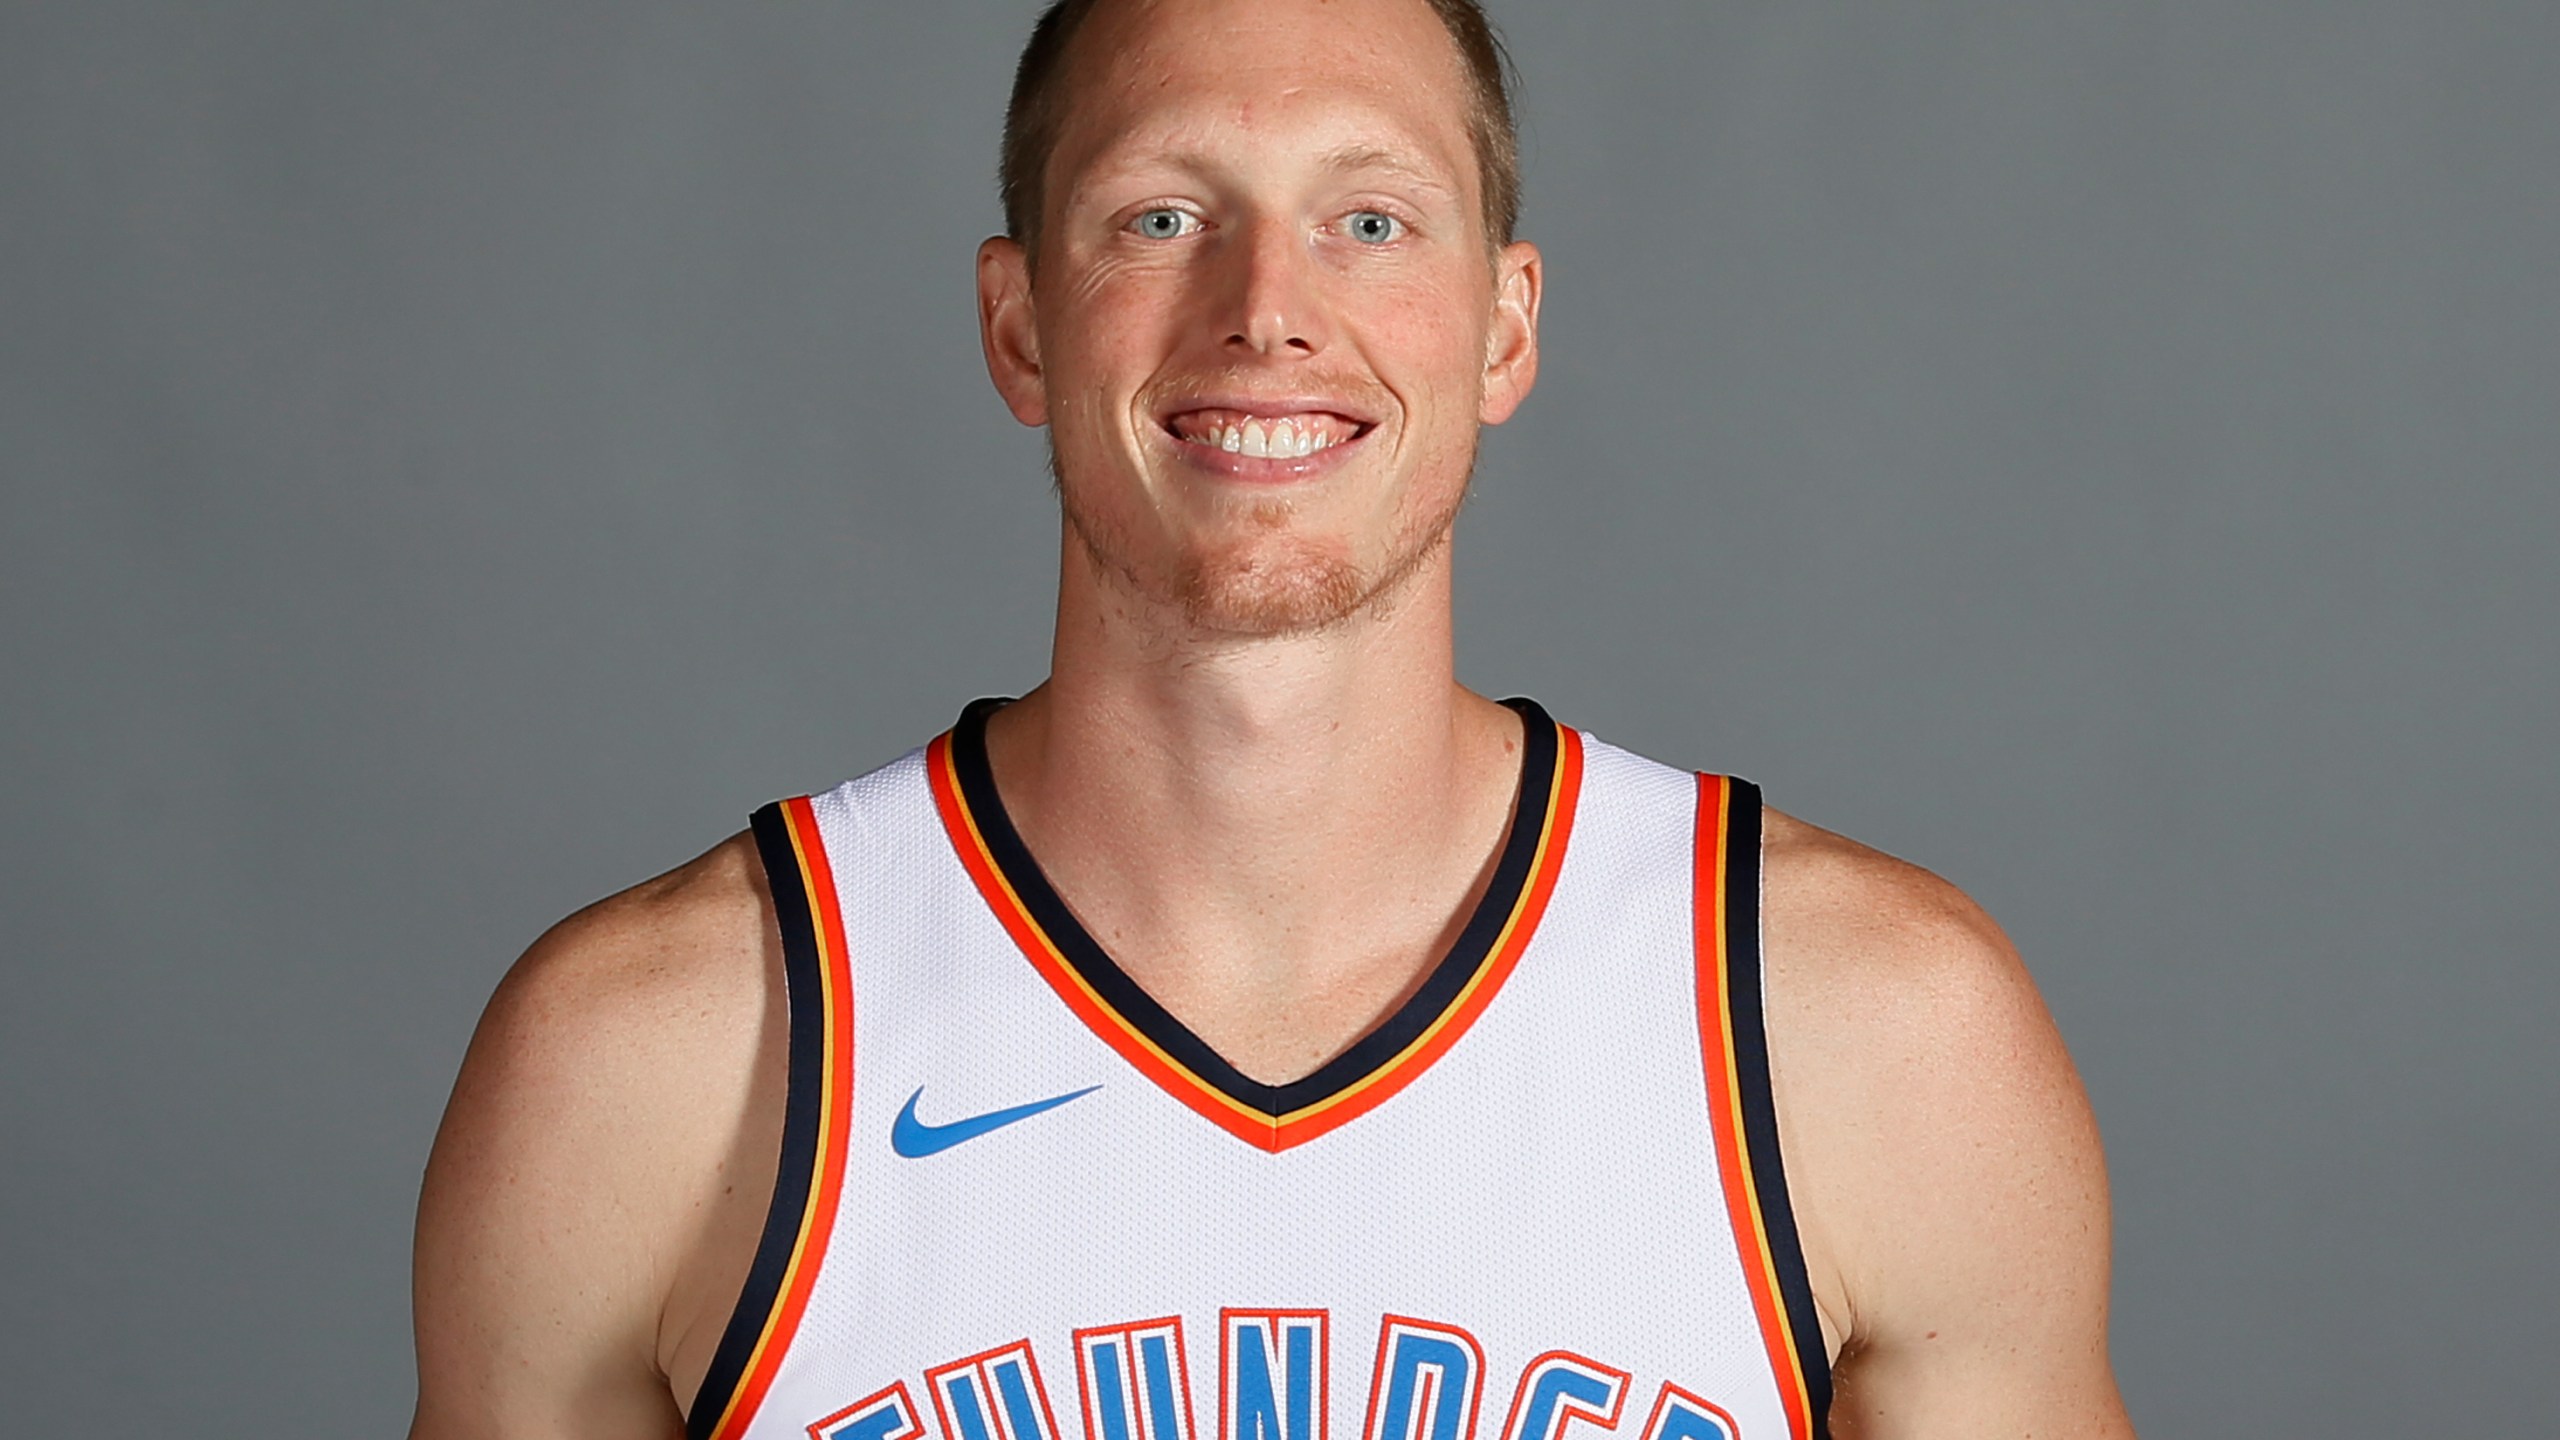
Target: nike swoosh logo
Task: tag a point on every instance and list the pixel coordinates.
(914, 1139)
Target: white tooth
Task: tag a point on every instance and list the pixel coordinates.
(1230, 439)
(1257, 441)
(1284, 440)
(1306, 442)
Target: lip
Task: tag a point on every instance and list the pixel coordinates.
(1233, 466)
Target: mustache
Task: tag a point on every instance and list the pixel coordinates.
(1360, 392)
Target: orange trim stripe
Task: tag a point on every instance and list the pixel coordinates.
(1724, 1103)
(1254, 1127)
(835, 1112)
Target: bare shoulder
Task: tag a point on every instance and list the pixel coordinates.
(1886, 956)
(1941, 1155)
(602, 1166)
(645, 967)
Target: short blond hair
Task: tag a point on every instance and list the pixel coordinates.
(1032, 118)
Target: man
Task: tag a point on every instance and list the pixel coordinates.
(1357, 1055)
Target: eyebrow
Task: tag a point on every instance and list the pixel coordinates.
(1371, 157)
(1343, 160)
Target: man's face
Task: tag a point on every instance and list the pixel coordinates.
(1267, 319)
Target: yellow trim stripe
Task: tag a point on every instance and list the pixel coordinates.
(1457, 1006)
(1794, 1376)
(1484, 972)
(1029, 922)
(828, 1158)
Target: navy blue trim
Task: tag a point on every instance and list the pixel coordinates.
(805, 986)
(1759, 1105)
(1447, 981)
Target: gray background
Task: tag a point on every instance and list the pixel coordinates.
(460, 457)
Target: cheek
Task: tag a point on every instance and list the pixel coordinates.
(1087, 378)
(1431, 333)
(1107, 340)
(1443, 390)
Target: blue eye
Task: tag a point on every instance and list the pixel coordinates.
(1374, 227)
(1165, 224)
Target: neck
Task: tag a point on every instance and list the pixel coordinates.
(1266, 816)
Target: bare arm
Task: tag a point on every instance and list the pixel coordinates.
(590, 1207)
(1945, 1159)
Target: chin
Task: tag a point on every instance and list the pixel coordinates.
(1266, 590)
(1279, 585)
(1265, 577)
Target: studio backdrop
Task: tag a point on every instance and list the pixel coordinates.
(456, 460)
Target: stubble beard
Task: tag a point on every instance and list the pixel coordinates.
(1270, 584)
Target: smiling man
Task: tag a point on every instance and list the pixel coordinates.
(1251, 1032)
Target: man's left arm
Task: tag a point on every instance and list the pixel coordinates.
(1943, 1157)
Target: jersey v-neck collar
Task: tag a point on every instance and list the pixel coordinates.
(1124, 1016)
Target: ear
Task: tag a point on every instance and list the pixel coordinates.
(1007, 331)
(1511, 349)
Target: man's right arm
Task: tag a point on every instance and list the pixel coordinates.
(602, 1169)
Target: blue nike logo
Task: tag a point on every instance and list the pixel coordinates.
(915, 1139)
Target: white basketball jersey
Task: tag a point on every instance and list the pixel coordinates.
(1020, 1201)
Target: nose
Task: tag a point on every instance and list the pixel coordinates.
(1275, 305)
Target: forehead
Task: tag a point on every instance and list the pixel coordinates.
(1151, 78)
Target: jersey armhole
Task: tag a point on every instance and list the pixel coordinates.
(1734, 1037)
(815, 1112)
